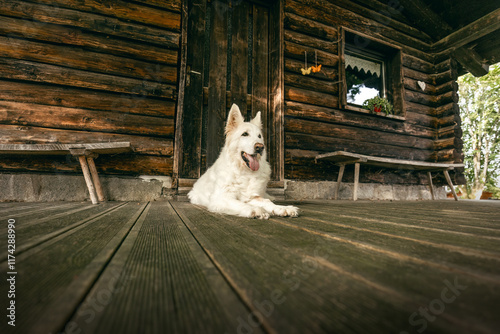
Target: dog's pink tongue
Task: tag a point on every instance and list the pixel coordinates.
(253, 163)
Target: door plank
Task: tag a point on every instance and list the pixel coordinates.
(216, 115)
(190, 154)
(239, 66)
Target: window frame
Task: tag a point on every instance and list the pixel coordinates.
(393, 72)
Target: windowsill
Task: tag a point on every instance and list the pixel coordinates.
(366, 111)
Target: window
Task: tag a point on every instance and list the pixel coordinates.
(371, 69)
(365, 77)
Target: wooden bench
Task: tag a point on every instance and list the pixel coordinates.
(85, 153)
(342, 158)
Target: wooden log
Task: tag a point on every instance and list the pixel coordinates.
(14, 113)
(310, 27)
(124, 10)
(15, 27)
(311, 83)
(443, 65)
(420, 109)
(13, 134)
(418, 64)
(297, 51)
(427, 121)
(330, 14)
(446, 132)
(445, 110)
(445, 143)
(93, 22)
(310, 97)
(326, 73)
(413, 85)
(37, 72)
(330, 144)
(171, 5)
(123, 164)
(312, 42)
(361, 134)
(88, 60)
(75, 98)
(443, 77)
(329, 115)
(418, 76)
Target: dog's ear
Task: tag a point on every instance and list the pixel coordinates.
(257, 120)
(234, 119)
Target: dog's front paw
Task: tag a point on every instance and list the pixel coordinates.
(260, 213)
(286, 211)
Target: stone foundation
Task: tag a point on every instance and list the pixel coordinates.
(63, 187)
(300, 190)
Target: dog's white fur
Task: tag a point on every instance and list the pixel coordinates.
(234, 186)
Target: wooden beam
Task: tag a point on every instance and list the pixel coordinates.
(431, 23)
(471, 61)
(470, 33)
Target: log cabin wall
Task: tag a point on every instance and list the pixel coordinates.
(428, 128)
(90, 71)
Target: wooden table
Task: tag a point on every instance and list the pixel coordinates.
(85, 153)
(342, 158)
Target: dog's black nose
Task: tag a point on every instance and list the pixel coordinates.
(259, 148)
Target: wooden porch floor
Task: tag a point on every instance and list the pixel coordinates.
(169, 267)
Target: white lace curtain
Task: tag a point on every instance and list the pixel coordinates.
(363, 64)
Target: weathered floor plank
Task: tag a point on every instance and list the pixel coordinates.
(414, 271)
(158, 285)
(341, 267)
(53, 276)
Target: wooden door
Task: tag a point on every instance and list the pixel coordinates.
(232, 55)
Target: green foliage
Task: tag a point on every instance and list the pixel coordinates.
(377, 105)
(480, 112)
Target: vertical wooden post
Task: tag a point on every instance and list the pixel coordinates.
(95, 178)
(88, 179)
(339, 180)
(429, 175)
(356, 181)
(448, 179)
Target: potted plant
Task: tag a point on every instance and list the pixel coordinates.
(378, 105)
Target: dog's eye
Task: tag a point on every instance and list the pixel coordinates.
(260, 136)
(244, 134)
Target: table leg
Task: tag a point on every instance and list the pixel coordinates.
(88, 179)
(356, 181)
(95, 178)
(429, 175)
(448, 179)
(339, 180)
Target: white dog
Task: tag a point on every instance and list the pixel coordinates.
(236, 183)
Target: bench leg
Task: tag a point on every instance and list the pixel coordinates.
(339, 180)
(356, 181)
(88, 179)
(95, 178)
(448, 179)
(429, 175)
